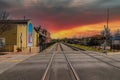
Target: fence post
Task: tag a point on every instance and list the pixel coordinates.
(30, 49)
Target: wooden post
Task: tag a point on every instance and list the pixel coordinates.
(30, 49)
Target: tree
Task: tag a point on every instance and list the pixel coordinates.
(107, 38)
(106, 33)
(4, 15)
(95, 40)
(117, 33)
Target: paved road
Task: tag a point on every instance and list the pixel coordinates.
(88, 65)
(29, 69)
(91, 66)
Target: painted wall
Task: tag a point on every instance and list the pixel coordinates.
(35, 38)
(21, 36)
(9, 35)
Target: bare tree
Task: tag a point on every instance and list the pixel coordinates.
(107, 38)
(106, 33)
(4, 15)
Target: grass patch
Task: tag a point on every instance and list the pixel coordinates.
(88, 48)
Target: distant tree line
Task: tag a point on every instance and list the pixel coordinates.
(96, 40)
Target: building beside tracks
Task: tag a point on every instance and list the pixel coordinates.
(116, 43)
(47, 36)
(16, 35)
(44, 37)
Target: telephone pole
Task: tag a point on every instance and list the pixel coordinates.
(108, 17)
(105, 33)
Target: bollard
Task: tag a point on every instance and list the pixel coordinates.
(30, 49)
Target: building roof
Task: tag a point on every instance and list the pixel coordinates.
(14, 21)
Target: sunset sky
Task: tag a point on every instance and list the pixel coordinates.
(66, 18)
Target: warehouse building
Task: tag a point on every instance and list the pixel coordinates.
(17, 35)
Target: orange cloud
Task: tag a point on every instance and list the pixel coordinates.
(86, 30)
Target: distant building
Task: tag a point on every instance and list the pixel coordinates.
(116, 43)
(44, 35)
(17, 34)
(116, 40)
(48, 37)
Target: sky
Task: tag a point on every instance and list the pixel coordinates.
(66, 18)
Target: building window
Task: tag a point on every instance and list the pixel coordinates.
(2, 42)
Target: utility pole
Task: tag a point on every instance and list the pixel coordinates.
(108, 17)
(105, 41)
(105, 33)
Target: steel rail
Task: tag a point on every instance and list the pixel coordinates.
(46, 73)
(106, 57)
(74, 48)
(75, 75)
(108, 63)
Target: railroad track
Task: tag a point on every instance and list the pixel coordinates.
(71, 68)
(108, 63)
(47, 70)
(77, 49)
(106, 57)
(73, 74)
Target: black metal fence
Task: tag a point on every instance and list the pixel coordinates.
(43, 46)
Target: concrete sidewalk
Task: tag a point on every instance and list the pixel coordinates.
(12, 58)
(12, 54)
(8, 61)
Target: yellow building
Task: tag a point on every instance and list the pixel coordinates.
(36, 38)
(17, 35)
